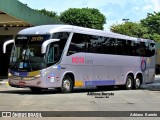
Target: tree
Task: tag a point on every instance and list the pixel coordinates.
(85, 17)
(49, 13)
(130, 29)
(152, 22)
(148, 28)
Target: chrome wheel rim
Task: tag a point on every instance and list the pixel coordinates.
(138, 82)
(66, 84)
(129, 83)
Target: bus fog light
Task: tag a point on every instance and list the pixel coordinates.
(37, 76)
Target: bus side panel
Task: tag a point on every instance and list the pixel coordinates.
(53, 76)
(127, 64)
(77, 64)
(105, 71)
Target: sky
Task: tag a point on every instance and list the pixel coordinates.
(114, 10)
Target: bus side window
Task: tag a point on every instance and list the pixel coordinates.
(142, 49)
(50, 55)
(151, 49)
(77, 44)
(110, 45)
(53, 54)
(121, 47)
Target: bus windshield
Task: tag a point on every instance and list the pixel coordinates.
(26, 54)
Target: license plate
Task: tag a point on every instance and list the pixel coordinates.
(22, 83)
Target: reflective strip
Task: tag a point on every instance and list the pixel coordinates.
(34, 73)
(78, 83)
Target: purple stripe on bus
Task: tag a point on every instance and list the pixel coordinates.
(99, 82)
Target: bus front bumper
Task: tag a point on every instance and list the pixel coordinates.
(26, 83)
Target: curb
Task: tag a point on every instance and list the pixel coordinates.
(152, 86)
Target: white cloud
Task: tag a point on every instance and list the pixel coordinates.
(156, 4)
(136, 8)
(147, 7)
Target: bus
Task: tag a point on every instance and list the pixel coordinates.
(66, 56)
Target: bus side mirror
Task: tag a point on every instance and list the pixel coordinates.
(47, 42)
(6, 43)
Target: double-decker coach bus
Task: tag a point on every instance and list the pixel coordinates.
(66, 56)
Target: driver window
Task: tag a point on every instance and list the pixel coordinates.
(53, 53)
(50, 55)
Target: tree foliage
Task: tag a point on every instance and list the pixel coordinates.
(130, 29)
(85, 17)
(152, 22)
(148, 28)
(48, 13)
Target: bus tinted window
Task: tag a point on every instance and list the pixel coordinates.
(131, 48)
(106, 45)
(121, 47)
(96, 43)
(110, 45)
(78, 44)
(151, 49)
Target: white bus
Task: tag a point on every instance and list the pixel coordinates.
(66, 56)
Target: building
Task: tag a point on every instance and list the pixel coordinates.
(15, 16)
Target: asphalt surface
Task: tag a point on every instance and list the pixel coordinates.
(22, 99)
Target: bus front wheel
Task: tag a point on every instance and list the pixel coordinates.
(67, 85)
(129, 83)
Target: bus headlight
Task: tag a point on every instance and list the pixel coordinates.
(38, 76)
(9, 74)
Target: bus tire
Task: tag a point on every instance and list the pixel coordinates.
(67, 85)
(35, 89)
(137, 83)
(129, 83)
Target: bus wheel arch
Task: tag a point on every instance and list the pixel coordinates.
(138, 81)
(67, 83)
(129, 81)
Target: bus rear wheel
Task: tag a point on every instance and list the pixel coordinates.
(67, 85)
(129, 83)
(137, 83)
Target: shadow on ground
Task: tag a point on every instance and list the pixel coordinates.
(24, 91)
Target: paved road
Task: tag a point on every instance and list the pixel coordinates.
(20, 99)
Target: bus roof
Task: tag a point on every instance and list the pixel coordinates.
(49, 29)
